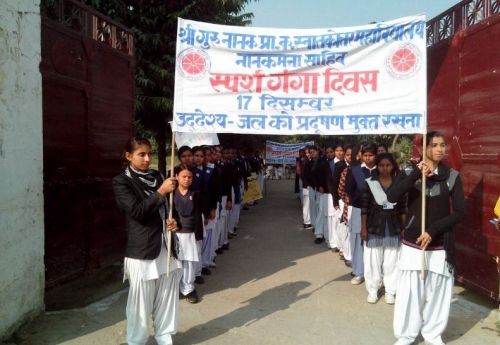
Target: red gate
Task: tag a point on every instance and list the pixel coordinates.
(88, 111)
(463, 87)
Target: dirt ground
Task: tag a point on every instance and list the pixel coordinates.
(273, 286)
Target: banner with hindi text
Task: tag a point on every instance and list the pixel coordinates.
(369, 79)
(278, 153)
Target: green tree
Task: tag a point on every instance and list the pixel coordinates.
(154, 24)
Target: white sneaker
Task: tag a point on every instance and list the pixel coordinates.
(372, 298)
(357, 280)
(390, 298)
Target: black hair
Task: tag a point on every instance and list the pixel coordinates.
(133, 142)
(384, 146)
(131, 145)
(183, 149)
(390, 158)
(370, 147)
(197, 148)
(431, 135)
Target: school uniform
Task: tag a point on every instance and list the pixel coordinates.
(331, 213)
(354, 188)
(209, 200)
(341, 231)
(306, 176)
(320, 178)
(188, 215)
(381, 250)
(423, 305)
(152, 293)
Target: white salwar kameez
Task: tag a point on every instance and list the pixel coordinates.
(381, 265)
(332, 218)
(319, 223)
(306, 211)
(152, 293)
(422, 305)
(188, 255)
(344, 234)
(354, 225)
(313, 205)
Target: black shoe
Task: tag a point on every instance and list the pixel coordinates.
(319, 240)
(192, 297)
(219, 251)
(335, 250)
(205, 271)
(225, 246)
(352, 274)
(199, 280)
(307, 226)
(181, 296)
(348, 263)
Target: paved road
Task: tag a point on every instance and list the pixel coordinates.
(274, 286)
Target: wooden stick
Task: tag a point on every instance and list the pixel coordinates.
(170, 204)
(422, 216)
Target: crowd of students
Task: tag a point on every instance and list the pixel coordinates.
(354, 199)
(357, 201)
(216, 179)
(207, 190)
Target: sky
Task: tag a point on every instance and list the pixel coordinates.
(339, 13)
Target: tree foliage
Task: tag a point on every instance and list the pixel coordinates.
(154, 24)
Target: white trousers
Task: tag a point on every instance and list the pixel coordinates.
(319, 223)
(206, 247)
(301, 194)
(198, 264)
(422, 306)
(306, 211)
(158, 298)
(313, 206)
(333, 237)
(234, 217)
(188, 276)
(343, 234)
(356, 242)
(222, 223)
(216, 232)
(381, 265)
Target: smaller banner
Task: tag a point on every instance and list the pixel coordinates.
(253, 192)
(195, 139)
(278, 153)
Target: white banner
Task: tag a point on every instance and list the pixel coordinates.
(278, 153)
(369, 79)
(196, 139)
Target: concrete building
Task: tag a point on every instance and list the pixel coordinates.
(21, 165)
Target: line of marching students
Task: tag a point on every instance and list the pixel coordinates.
(356, 200)
(333, 199)
(207, 190)
(219, 177)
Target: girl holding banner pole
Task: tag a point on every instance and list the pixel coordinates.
(423, 300)
(153, 276)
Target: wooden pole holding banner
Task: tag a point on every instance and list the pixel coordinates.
(423, 197)
(170, 204)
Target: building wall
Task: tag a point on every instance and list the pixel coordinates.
(21, 165)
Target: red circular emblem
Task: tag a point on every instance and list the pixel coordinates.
(193, 63)
(403, 61)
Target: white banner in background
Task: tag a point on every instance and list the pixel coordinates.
(369, 79)
(278, 153)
